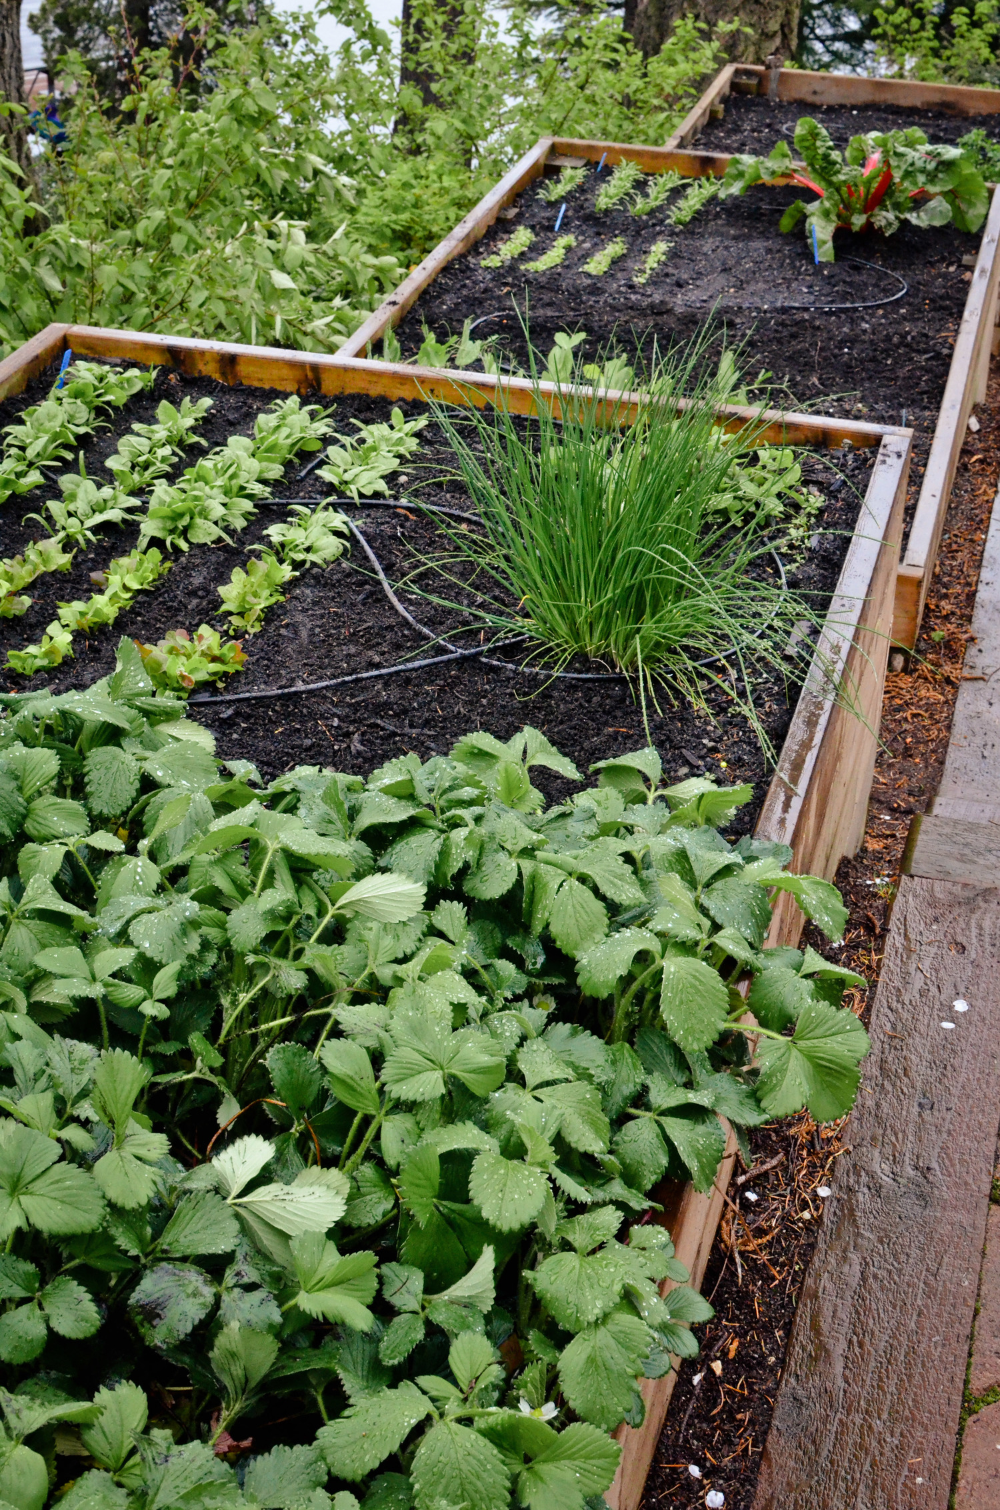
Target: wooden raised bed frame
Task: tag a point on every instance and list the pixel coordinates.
(976, 341)
(818, 797)
(977, 338)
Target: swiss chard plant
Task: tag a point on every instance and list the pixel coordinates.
(348, 1100)
(880, 181)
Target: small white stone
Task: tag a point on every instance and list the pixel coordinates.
(751, 1195)
(823, 1191)
(947, 1024)
(694, 1470)
(697, 1378)
(961, 1005)
(715, 1499)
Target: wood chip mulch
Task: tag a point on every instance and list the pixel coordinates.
(721, 1408)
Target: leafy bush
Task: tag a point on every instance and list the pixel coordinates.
(925, 40)
(345, 1097)
(881, 180)
(216, 199)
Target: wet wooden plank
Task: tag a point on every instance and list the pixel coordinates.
(697, 117)
(807, 87)
(972, 765)
(945, 848)
(867, 1412)
(650, 159)
(818, 797)
(966, 386)
(303, 372)
(24, 364)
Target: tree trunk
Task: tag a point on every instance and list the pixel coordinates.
(13, 134)
(774, 24)
(422, 22)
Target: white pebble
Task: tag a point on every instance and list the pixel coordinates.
(823, 1191)
(697, 1378)
(694, 1470)
(715, 1499)
(751, 1195)
(947, 1024)
(961, 1005)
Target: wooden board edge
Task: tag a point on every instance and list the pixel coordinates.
(304, 371)
(963, 389)
(693, 1233)
(650, 159)
(804, 86)
(698, 115)
(469, 230)
(907, 607)
(834, 739)
(807, 87)
(24, 364)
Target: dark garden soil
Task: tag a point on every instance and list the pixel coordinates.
(881, 358)
(339, 622)
(751, 123)
(761, 1254)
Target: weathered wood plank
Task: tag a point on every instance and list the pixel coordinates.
(466, 233)
(692, 1219)
(818, 797)
(303, 372)
(972, 765)
(868, 1408)
(943, 848)
(650, 159)
(697, 117)
(964, 388)
(800, 84)
(17, 370)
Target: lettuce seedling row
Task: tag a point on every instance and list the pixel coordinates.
(816, 802)
(922, 357)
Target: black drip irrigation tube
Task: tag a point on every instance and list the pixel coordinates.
(904, 289)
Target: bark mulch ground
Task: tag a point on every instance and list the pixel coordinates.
(721, 1409)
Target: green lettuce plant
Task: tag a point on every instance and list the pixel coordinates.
(180, 662)
(250, 593)
(17, 572)
(359, 464)
(125, 577)
(349, 1098)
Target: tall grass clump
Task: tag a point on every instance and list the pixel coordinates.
(616, 541)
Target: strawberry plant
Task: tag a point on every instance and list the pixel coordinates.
(348, 1099)
(250, 593)
(879, 182)
(180, 662)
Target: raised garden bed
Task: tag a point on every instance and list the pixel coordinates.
(815, 802)
(913, 350)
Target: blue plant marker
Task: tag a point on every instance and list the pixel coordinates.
(67, 358)
(815, 244)
(603, 160)
(559, 217)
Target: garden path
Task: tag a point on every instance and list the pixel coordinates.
(873, 1393)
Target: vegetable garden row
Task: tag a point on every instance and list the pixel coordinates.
(392, 866)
